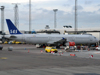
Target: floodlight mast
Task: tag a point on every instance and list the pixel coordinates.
(29, 15)
(2, 18)
(55, 10)
(75, 16)
(16, 15)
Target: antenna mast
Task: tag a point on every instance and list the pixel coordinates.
(16, 15)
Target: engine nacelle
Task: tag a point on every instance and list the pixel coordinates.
(70, 44)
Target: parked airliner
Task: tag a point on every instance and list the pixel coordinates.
(48, 39)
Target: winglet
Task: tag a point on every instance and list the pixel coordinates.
(12, 28)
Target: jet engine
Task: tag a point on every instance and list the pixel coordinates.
(70, 44)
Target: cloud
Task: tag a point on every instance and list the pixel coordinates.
(88, 2)
(42, 14)
(88, 19)
(98, 5)
(65, 5)
(79, 7)
(98, 9)
(23, 1)
(13, 1)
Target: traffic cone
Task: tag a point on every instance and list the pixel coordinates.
(96, 49)
(41, 51)
(88, 49)
(28, 51)
(91, 56)
(53, 52)
(60, 54)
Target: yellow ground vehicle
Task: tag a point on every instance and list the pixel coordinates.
(13, 42)
(49, 49)
(5, 42)
(17, 42)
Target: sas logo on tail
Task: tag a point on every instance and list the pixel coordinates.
(13, 31)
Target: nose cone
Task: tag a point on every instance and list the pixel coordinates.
(97, 40)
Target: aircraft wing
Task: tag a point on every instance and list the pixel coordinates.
(52, 42)
(55, 41)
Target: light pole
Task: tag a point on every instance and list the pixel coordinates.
(16, 15)
(75, 16)
(29, 15)
(55, 10)
(2, 18)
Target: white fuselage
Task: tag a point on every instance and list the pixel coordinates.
(45, 38)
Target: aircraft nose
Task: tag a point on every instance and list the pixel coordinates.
(97, 40)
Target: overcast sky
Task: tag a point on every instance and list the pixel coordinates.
(42, 13)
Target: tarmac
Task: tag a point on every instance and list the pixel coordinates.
(29, 60)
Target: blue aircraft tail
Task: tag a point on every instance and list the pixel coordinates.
(12, 28)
